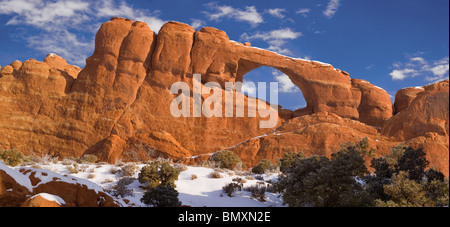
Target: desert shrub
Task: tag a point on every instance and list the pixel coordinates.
(73, 169)
(207, 164)
(226, 159)
(161, 196)
(180, 167)
(121, 189)
(240, 180)
(91, 176)
(11, 157)
(128, 170)
(68, 161)
(114, 170)
(89, 158)
(405, 192)
(215, 174)
(263, 166)
(289, 159)
(258, 192)
(322, 182)
(231, 188)
(413, 162)
(401, 179)
(159, 173)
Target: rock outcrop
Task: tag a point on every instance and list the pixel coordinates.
(118, 105)
(42, 188)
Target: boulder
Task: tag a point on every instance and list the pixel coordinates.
(43, 200)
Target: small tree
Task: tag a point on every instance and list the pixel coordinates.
(405, 192)
(263, 166)
(226, 159)
(413, 162)
(162, 196)
(289, 159)
(159, 173)
(318, 181)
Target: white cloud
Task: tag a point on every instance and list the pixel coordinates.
(108, 8)
(304, 12)
(68, 27)
(249, 15)
(196, 23)
(332, 8)
(248, 88)
(401, 74)
(276, 38)
(277, 12)
(48, 16)
(286, 85)
(419, 66)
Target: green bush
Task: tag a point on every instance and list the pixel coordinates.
(263, 166)
(289, 159)
(401, 180)
(405, 192)
(161, 196)
(226, 159)
(89, 158)
(321, 182)
(12, 157)
(159, 173)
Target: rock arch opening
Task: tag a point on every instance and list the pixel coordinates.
(290, 96)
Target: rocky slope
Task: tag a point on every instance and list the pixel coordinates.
(118, 106)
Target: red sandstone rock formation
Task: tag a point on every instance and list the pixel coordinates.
(23, 189)
(117, 107)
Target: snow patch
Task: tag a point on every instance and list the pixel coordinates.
(17, 176)
(48, 176)
(286, 57)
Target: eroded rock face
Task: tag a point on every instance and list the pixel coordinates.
(316, 134)
(427, 112)
(118, 106)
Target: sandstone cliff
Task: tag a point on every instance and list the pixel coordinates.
(117, 106)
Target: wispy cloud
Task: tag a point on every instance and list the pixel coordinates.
(249, 14)
(276, 38)
(277, 12)
(248, 88)
(285, 84)
(197, 23)
(419, 66)
(48, 16)
(332, 8)
(304, 12)
(67, 27)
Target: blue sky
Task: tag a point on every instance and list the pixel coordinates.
(391, 43)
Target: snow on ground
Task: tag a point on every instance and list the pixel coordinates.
(19, 178)
(206, 191)
(200, 192)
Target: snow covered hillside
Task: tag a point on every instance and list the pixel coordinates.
(195, 185)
